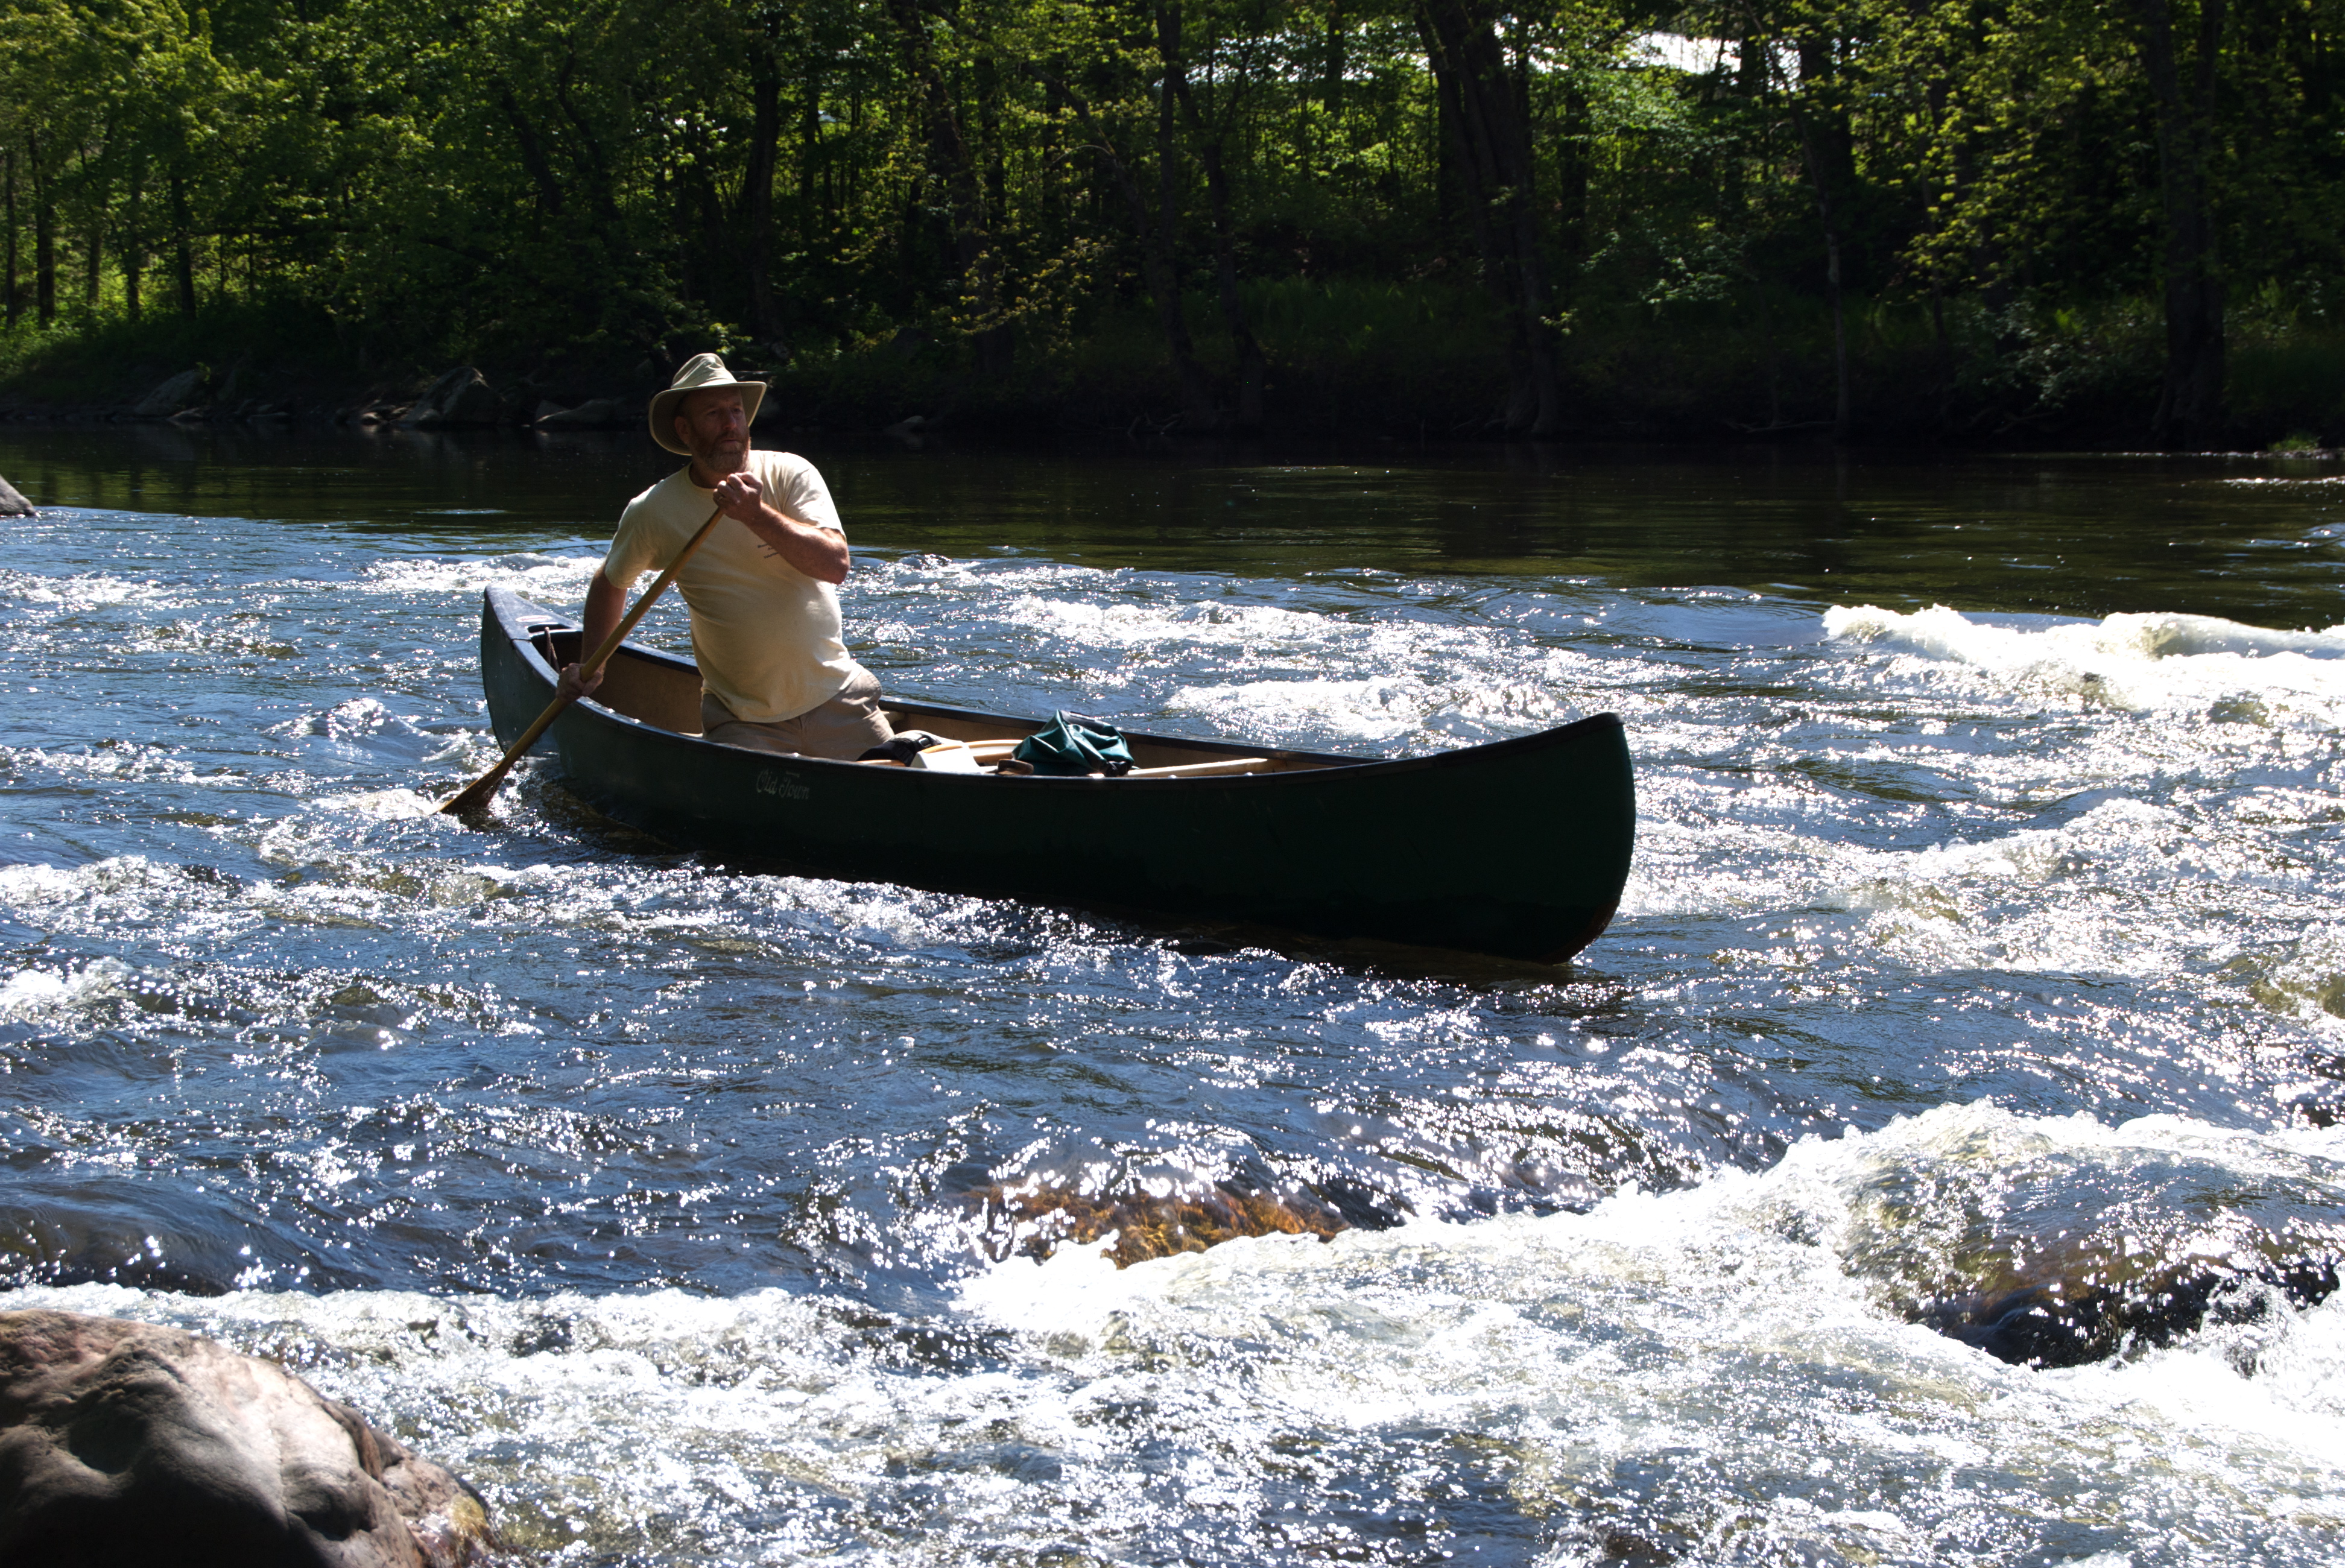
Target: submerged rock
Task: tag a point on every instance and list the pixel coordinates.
(128, 1445)
(2098, 1305)
(594, 414)
(2053, 1244)
(1037, 1219)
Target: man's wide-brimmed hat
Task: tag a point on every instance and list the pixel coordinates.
(700, 373)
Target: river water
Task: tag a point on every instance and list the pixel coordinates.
(1983, 936)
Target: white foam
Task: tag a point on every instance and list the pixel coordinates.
(2080, 897)
(2139, 662)
(382, 806)
(86, 591)
(1376, 709)
(31, 993)
(534, 575)
(1361, 661)
(2173, 767)
(358, 718)
(124, 762)
(1712, 1335)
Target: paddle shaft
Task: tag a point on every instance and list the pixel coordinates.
(480, 791)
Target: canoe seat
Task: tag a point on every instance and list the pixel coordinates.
(662, 697)
(645, 690)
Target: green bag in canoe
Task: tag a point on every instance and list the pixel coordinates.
(1071, 745)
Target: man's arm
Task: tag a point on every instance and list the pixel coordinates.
(819, 553)
(605, 605)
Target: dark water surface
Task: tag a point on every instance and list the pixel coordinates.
(1984, 934)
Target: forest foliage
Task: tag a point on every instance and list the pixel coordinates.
(1925, 215)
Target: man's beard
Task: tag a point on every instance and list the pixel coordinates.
(715, 460)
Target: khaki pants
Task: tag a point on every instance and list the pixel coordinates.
(842, 729)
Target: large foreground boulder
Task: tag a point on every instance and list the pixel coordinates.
(124, 1445)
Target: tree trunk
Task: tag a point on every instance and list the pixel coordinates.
(1835, 138)
(973, 250)
(2190, 404)
(1156, 261)
(134, 259)
(532, 152)
(1459, 174)
(851, 179)
(679, 198)
(44, 242)
(716, 239)
(132, 245)
(1492, 145)
(8, 182)
(1331, 81)
(183, 245)
(592, 162)
(757, 186)
(1530, 262)
(813, 219)
(94, 251)
(1252, 368)
(1945, 353)
(1816, 156)
(1450, 157)
(1571, 198)
(1059, 203)
(989, 136)
(1839, 331)
(1198, 409)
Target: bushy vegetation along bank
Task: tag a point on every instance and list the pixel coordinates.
(1414, 360)
(2114, 220)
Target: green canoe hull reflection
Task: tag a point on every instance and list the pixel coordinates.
(1516, 849)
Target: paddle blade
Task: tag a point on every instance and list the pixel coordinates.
(476, 795)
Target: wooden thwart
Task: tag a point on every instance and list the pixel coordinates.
(991, 752)
(1203, 770)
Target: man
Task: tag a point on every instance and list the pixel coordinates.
(774, 674)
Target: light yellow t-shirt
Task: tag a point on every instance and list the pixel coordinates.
(765, 635)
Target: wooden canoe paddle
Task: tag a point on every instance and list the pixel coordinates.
(481, 791)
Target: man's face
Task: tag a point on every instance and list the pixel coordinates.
(715, 428)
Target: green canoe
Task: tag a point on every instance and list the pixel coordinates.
(1518, 848)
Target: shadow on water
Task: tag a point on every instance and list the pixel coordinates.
(2042, 533)
(554, 806)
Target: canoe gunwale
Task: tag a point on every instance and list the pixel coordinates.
(525, 637)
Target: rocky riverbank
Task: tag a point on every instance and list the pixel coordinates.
(461, 398)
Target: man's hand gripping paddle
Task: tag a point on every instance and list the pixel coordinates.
(481, 791)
